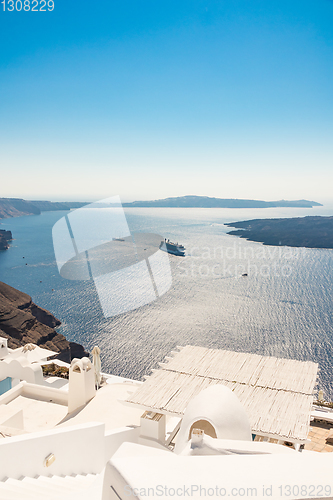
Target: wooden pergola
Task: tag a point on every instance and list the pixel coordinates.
(276, 393)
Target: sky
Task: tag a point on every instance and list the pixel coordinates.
(150, 99)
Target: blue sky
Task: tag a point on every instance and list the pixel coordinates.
(152, 99)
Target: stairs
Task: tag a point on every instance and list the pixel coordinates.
(73, 487)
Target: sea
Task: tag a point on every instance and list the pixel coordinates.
(283, 307)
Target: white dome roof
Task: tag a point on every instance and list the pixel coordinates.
(218, 408)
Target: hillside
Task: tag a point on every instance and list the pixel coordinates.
(14, 207)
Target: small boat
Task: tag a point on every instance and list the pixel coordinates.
(173, 248)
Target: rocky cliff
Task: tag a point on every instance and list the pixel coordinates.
(22, 322)
(5, 237)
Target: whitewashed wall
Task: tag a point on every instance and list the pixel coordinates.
(78, 450)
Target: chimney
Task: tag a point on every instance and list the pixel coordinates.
(81, 383)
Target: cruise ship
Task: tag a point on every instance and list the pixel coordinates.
(173, 248)
(207, 423)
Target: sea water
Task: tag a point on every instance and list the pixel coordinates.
(283, 307)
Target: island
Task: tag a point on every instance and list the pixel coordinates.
(310, 232)
(208, 202)
(23, 322)
(15, 207)
(5, 237)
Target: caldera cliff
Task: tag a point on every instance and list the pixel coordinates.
(22, 322)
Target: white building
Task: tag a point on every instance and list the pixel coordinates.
(185, 431)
